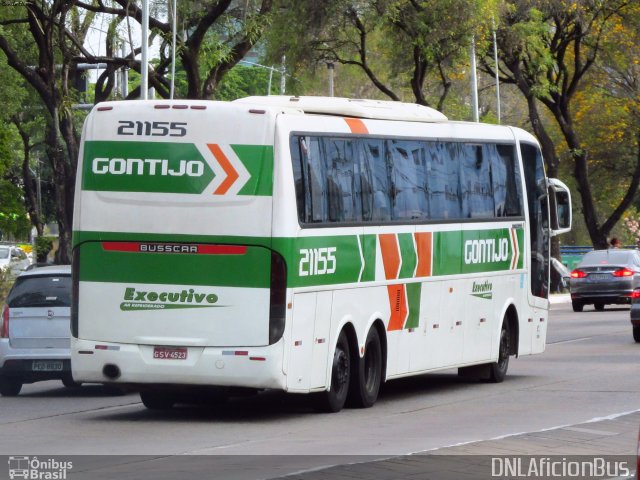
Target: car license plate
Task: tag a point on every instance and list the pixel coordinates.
(46, 366)
(163, 353)
(599, 276)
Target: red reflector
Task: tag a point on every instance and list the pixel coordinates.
(257, 111)
(623, 272)
(257, 359)
(162, 107)
(578, 274)
(241, 353)
(102, 109)
(198, 107)
(180, 107)
(101, 347)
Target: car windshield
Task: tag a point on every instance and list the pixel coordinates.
(607, 257)
(4, 252)
(41, 291)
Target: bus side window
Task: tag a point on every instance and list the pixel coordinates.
(315, 181)
(298, 146)
(381, 185)
(475, 182)
(343, 183)
(366, 182)
(407, 174)
(444, 201)
(506, 181)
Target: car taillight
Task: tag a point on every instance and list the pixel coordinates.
(623, 272)
(635, 294)
(4, 330)
(278, 298)
(578, 274)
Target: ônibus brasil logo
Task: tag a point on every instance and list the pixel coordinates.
(150, 300)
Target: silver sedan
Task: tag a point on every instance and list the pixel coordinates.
(605, 277)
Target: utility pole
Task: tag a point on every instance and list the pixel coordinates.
(330, 67)
(474, 82)
(144, 59)
(283, 76)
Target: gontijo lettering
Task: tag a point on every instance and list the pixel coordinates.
(488, 250)
(146, 166)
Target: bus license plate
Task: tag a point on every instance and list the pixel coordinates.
(163, 353)
(46, 366)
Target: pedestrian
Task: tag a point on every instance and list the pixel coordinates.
(615, 242)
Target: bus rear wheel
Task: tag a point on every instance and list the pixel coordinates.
(334, 399)
(498, 370)
(365, 383)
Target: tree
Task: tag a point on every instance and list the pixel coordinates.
(547, 49)
(217, 36)
(40, 41)
(401, 45)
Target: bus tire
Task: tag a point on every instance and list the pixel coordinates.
(157, 400)
(334, 399)
(498, 370)
(365, 383)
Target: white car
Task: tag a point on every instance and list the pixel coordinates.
(13, 260)
(5, 256)
(35, 330)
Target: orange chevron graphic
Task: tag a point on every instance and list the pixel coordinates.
(232, 174)
(398, 304)
(423, 250)
(390, 255)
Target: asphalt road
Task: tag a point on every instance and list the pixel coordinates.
(590, 370)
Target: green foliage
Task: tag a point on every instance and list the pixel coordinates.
(243, 81)
(43, 247)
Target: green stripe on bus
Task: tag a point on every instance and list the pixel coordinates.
(408, 254)
(368, 244)
(258, 160)
(250, 270)
(413, 300)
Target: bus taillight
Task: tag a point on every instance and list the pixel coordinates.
(278, 298)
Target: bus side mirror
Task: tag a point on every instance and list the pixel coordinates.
(560, 206)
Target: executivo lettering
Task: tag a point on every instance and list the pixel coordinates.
(149, 300)
(482, 290)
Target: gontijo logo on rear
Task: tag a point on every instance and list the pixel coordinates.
(182, 168)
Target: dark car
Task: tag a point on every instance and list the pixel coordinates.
(605, 277)
(635, 314)
(35, 332)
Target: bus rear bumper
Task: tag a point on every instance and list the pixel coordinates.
(252, 367)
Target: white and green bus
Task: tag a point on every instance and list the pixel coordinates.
(306, 244)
